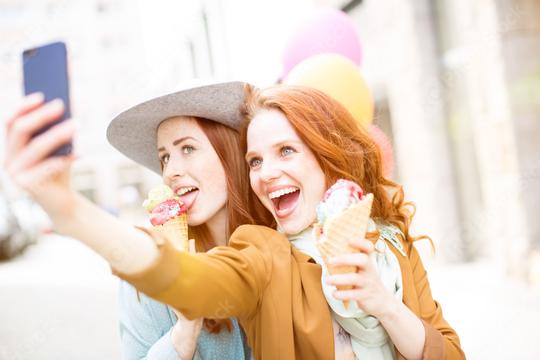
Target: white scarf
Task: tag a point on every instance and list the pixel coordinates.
(368, 337)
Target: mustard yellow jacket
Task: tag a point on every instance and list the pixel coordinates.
(275, 292)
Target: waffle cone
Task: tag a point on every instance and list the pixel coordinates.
(339, 230)
(176, 230)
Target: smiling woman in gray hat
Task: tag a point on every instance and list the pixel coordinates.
(187, 137)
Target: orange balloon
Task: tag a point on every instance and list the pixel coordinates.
(338, 77)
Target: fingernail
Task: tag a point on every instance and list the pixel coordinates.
(36, 97)
(57, 104)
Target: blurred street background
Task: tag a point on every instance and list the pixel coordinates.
(456, 87)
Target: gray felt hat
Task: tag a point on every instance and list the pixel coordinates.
(134, 131)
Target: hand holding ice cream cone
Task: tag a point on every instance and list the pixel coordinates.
(343, 215)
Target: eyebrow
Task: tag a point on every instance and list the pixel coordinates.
(276, 145)
(178, 141)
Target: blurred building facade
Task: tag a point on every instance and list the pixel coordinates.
(461, 80)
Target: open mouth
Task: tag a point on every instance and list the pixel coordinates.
(285, 200)
(188, 195)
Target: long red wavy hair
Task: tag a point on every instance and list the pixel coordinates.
(343, 149)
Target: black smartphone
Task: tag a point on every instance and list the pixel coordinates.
(45, 70)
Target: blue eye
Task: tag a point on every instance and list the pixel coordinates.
(287, 150)
(255, 162)
(187, 149)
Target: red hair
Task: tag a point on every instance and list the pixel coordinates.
(343, 149)
(243, 207)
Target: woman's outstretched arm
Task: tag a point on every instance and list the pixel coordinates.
(225, 283)
(127, 249)
(47, 180)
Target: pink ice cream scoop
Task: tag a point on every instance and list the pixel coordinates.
(167, 210)
(339, 197)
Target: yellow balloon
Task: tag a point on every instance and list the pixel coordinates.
(338, 77)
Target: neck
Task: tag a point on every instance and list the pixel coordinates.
(304, 234)
(217, 226)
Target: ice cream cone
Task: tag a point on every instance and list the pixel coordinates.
(351, 224)
(176, 230)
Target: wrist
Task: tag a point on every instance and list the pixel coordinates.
(390, 310)
(64, 216)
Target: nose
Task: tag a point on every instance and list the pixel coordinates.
(269, 171)
(173, 169)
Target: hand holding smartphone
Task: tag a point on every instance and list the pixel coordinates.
(45, 71)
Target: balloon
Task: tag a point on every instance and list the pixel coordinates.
(326, 31)
(386, 149)
(338, 77)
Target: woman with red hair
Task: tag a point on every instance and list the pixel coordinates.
(298, 142)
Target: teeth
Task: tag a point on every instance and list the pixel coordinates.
(281, 192)
(185, 190)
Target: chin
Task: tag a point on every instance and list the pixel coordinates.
(194, 220)
(292, 229)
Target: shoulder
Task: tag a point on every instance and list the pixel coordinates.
(257, 231)
(261, 237)
(265, 247)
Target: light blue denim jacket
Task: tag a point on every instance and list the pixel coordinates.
(145, 332)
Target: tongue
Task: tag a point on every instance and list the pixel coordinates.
(288, 200)
(189, 198)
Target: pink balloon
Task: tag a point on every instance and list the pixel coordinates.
(327, 31)
(386, 149)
